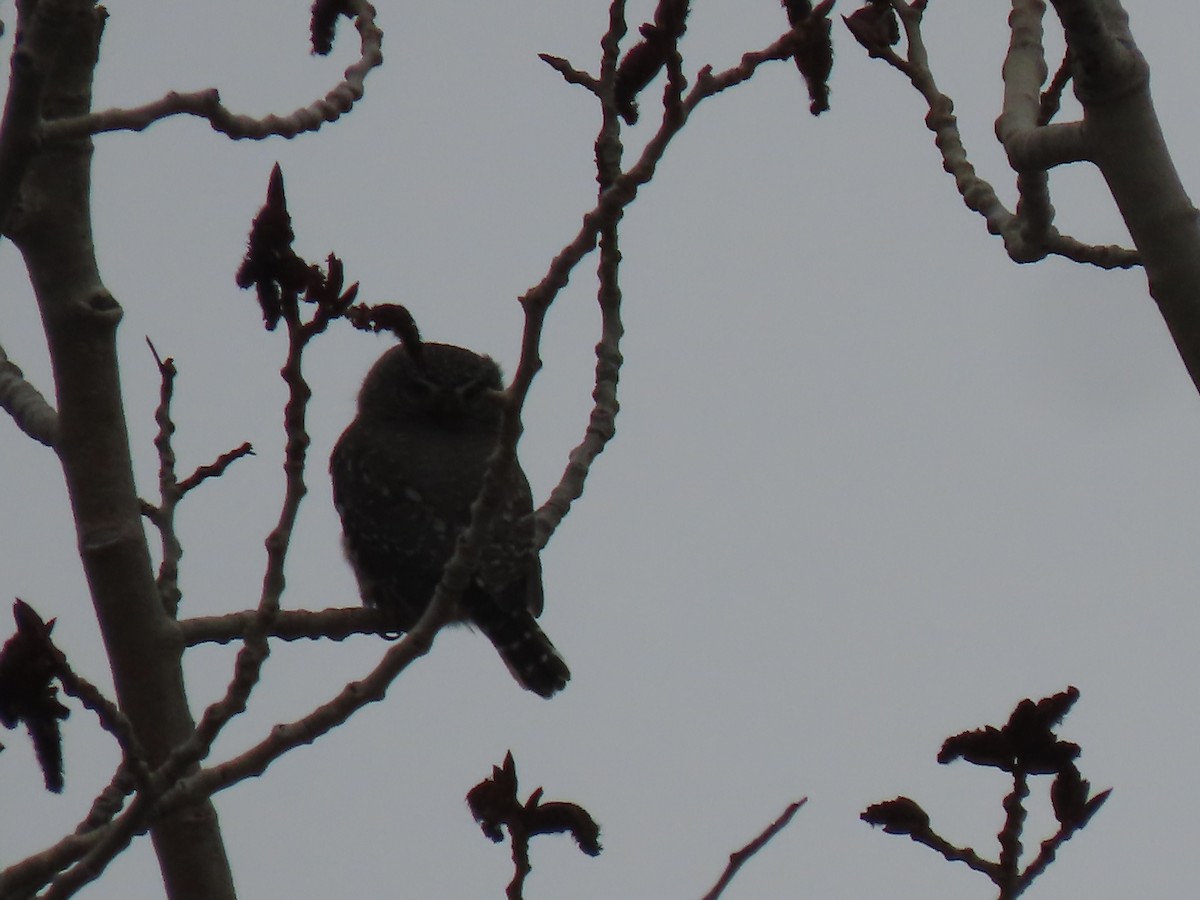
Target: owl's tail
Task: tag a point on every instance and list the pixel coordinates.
(523, 646)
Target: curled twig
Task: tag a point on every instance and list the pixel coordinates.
(206, 104)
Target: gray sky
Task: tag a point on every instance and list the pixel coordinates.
(872, 484)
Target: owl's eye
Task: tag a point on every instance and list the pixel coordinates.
(418, 388)
(470, 391)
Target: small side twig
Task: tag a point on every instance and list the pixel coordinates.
(217, 467)
(1051, 99)
(29, 409)
(111, 719)
(740, 857)
(170, 489)
(570, 73)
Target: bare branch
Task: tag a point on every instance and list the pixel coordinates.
(216, 468)
(1051, 99)
(601, 422)
(1024, 70)
(111, 718)
(1104, 256)
(1029, 235)
(353, 697)
(617, 190)
(738, 859)
(105, 845)
(25, 878)
(108, 802)
(952, 853)
(207, 104)
(163, 515)
(29, 409)
(570, 73)
(335, 624)
(708, 84)
(170, 489)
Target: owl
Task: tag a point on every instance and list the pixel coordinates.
(405, 473)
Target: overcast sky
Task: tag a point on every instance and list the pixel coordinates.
(872, 483)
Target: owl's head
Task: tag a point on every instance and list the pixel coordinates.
(444, 385)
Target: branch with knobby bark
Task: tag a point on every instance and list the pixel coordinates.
(334, 623)
(618, 189)
(170, 489)
(1119, 134)
(1028, 234)
(29, 409)
(206, 104)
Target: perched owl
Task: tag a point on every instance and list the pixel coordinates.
(405, 473)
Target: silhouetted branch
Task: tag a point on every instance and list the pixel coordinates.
(570, 73)
(206, 104)
(495, 805)
(288, 625)
(740, 858)
(618, 189)
(170, 489)
(1024, 746)
(284, 737)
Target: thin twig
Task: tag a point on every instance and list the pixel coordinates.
(163, 515)
(1051, 99)
(111, 718)
(216, 468)
(570, 73)
(739, 858)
